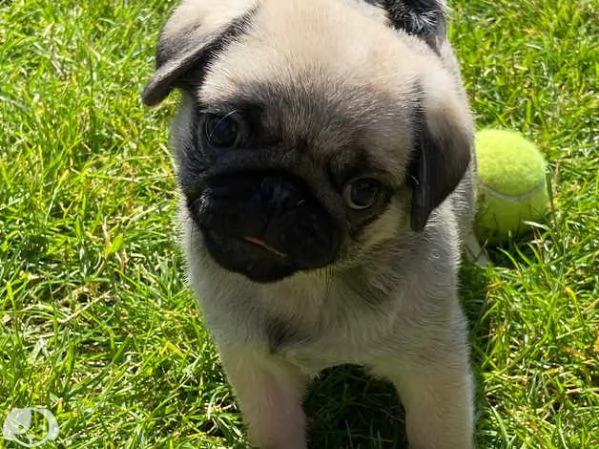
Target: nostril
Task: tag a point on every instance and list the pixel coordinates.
(269, 189)
(280, 194)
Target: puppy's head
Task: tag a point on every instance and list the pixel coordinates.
(310, 133)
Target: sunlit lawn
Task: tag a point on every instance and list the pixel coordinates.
(97, 323)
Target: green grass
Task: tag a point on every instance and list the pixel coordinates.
(97, 323)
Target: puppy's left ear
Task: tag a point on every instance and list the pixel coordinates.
(442, 144)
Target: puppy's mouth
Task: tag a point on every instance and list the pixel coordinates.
(262, 244)
(251, 256)
(249, 242)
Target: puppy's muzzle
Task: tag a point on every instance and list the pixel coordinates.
(265, 225)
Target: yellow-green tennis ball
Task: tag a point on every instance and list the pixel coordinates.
(511, 184)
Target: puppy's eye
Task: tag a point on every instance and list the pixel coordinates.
(222, 131)
(362, 193)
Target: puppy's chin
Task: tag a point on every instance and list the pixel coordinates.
(256, 261)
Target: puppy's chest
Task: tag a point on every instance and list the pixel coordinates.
(317, 352)
(340, 331)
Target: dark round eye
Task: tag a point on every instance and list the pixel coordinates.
(221, 131)
(362, 193)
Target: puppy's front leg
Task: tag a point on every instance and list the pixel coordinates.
(436, 391)
(269, 393)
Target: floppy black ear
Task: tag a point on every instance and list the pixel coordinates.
(443, 141)
(425, 19)
(192, 37)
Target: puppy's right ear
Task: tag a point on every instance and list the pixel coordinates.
(196, 32)
(443, 143)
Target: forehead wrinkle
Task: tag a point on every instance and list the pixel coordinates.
(309, 109)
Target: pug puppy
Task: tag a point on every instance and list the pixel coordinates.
(324, 156)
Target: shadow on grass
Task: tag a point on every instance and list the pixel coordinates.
(507, 252)
(348, 409)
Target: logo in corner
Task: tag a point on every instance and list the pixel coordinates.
(30, 427)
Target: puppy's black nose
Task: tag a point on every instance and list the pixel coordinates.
(280, 195)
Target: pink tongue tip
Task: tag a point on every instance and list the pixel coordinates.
(262, 244)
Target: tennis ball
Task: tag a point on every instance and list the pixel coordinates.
(511, 184)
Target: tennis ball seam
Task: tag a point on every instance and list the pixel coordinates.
(511, 198)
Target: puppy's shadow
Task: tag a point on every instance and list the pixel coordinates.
(349, 410)
(508, 253)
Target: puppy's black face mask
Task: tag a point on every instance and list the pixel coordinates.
(265, 225)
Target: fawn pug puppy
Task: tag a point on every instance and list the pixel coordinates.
(324, 155)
